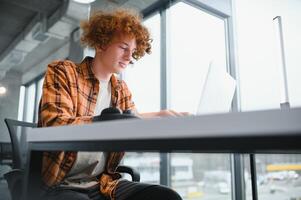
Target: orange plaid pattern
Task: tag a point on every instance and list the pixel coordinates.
(69, 96)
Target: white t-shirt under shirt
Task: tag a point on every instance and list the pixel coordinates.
(104, 97)
(90, 164)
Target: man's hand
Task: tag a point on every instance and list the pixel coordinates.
(163, 113)
(113, 114)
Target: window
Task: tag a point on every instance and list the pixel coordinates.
(260, 77)
(196, 39)
(278, 176)
(147, 164)
(260, 82)
(201, 176)
(38, 97)
(30, 102)
(143, 78)
(21, 103)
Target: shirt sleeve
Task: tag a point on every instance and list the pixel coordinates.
(56, 105)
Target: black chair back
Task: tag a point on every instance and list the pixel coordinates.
(18, 141)
(15, 177)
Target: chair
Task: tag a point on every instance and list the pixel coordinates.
(14, 177)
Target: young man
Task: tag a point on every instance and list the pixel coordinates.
(76, 93)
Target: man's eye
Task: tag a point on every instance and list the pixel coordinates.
(124, 48)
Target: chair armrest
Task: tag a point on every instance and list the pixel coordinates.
(13, 175)
(134, 173)
(14, 179)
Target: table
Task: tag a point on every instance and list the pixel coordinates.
(271, 131)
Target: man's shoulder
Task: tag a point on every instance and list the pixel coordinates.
(62, 64)
(66, 67)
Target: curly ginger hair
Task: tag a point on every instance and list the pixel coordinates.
(103, 27)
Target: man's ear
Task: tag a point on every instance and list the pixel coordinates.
(98, 49)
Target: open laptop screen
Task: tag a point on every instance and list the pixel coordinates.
(218, 91)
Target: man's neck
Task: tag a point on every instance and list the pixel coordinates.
(99, 71)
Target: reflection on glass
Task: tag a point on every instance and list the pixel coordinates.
(201, 176)
(147, 164)
(278, 176)
(143, 78)
(196, 39)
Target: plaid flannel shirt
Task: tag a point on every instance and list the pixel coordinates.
(69, 96)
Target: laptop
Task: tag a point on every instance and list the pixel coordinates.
(218, 91)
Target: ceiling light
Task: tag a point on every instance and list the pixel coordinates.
(2, 90)
(84, 1)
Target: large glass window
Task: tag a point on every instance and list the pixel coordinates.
(197, 39)
(258, 61)
(143, 77)
(278, 176)
(261, 81)
(38, 97)
(30, 96)
(147, 164)
(201, 176)
(21, 103)
(30, 102)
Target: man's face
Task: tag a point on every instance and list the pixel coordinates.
(116, 56)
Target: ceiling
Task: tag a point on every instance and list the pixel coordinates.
(31, 30)
(16, 15)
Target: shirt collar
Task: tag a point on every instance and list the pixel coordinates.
(115, 83)
(86, 67)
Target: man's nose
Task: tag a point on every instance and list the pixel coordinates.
(127, 55)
